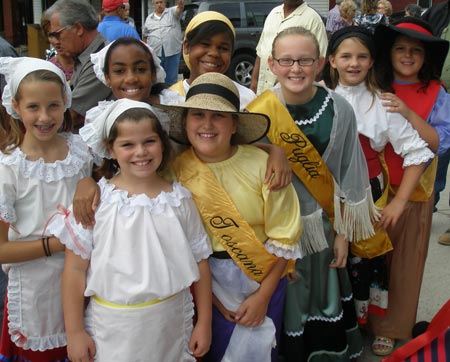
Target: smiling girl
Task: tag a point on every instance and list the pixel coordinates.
(351, 53)
(318, 131)
(39, 169)
(147, 247)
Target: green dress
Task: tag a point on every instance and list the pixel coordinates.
(320, 322)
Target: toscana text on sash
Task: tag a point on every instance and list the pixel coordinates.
(219, 222)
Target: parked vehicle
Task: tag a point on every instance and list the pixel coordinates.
(248, 19)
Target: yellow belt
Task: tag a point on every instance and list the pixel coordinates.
(128, 306)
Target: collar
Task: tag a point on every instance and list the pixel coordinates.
(111, 18)
(98, 43)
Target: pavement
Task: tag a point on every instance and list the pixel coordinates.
(436, 280)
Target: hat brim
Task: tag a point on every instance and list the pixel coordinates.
(251, 127)
(438, 48)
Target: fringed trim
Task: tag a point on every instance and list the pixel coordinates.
(313, 239)
(357, 220)
(282, 250)
(15, 323)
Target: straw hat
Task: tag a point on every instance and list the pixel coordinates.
(216, 92)
(417, 29)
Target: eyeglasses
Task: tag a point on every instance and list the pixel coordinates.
(288, 62)
(57, 34)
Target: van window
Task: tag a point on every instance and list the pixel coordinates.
(231, 11)
(256, 13)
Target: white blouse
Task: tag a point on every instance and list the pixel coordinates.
(30, 192)
(382, 127)
(140, 248)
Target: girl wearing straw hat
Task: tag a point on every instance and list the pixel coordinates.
(412, 71)
(253, 231)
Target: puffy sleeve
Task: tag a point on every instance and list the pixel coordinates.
(406, 141)
(440, 119)
(283, 224)
(195, 232)
(8, 194)
(71, 234)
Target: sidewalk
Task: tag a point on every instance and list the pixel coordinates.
(436, 280)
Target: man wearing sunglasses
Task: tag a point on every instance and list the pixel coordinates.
(73, 26)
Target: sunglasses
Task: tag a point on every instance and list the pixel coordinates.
(57, 34)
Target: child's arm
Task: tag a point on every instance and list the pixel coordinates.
(392, 211)
(278, 170)
(253, 310)
(426, 131)
(16, 252)
(201, 335)
(80, 346)
(340, 249)
(85, 202)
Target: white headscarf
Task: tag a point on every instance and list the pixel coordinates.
(100, 119)
(98, 59)
(15, 69)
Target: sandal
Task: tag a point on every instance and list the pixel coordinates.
(383, 346)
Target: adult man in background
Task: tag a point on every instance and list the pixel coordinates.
(162, 31)
(290, 13)
(73, 24)
(126, 18)
(112, 27)
(438, 16)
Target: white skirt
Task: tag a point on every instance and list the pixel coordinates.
(157, 332)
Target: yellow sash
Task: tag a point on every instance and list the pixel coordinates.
(223, 218)
(425, 188)
(380, 243)
(179, 87)
(305, 161)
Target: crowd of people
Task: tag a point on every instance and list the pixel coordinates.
(146, 218)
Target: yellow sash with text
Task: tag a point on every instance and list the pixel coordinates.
(303, 157)
(222, 217)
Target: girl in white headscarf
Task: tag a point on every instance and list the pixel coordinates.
(39, 169)
(147, 247)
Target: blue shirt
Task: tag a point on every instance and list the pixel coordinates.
(112, 28)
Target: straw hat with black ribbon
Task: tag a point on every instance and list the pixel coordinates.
(215, 92)
(415, 28)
